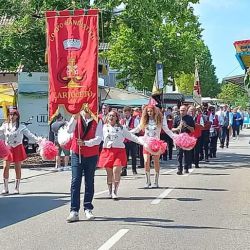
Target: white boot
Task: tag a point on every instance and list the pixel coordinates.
(5, 188)
(148, 182)
(16, 191)
(114, 193)
(110, 189)
(156, 183)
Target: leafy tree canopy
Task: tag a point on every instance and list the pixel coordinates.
(147, 31)
(234, 95)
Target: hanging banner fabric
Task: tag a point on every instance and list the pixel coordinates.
(72, 45)
(197, 88)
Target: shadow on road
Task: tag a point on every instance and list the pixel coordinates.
(140, 198)
(14, 209)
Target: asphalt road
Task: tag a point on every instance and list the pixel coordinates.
(207, 209)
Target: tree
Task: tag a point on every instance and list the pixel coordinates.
(185, 83)
(145, 32)
(233, 94)
(23, 41)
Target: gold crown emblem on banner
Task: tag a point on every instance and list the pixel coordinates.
(72, 44)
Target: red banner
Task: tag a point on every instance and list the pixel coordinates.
(72, 44)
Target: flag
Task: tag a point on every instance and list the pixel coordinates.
(72, 45)
(197, 87)
(152, 101)
(158, 84)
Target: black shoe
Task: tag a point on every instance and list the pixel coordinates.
(197, 166)
(186, 171)
(140, 167)
(206, 160)
(214, 155)
(134, 172)
(179, 172)
(170, 158)
(201, 158)
(124, 172)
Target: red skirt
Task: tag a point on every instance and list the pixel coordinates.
(111, 157)
(17, 154)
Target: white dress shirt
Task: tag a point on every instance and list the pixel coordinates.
(98, 133)
(14, 137)
(127, 121)
(113, 136)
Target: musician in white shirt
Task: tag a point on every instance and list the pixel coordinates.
(113, 155)
(13, 133)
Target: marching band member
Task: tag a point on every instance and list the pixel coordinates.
(13, 132)
(152, 123)
(87, 135)
(113, 155)
(129, 122)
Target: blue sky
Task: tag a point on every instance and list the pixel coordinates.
(224, 21)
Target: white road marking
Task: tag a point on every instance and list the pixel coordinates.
(161, 196)
(115, 238)
(101, 192)
(169, 171)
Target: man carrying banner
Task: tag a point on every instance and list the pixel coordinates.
(85, 150)
(72, 45)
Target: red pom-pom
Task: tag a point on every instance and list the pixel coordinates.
(48, 150)
(156, 146)
(185, 141)
(4, 149)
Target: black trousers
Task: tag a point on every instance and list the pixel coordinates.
(236, 130)
(187, 159)
(196, 152)
(224, 136)
(169, 151)
(131, 149)
(213, 146)
(204, 144)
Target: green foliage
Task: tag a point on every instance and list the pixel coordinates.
(234, 95)
(185, 83)
(147, 31)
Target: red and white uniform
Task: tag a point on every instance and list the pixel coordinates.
(14, 139)
(113, 152)
(92, 138)
(130, 123)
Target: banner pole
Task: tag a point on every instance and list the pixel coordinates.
(79, 147)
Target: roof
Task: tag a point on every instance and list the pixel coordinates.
(104, 46)
(173, 97)
(18, 70)
(4, 20)
(119, 94)
(131, 103)
(238, 79)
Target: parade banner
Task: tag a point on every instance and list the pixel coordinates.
(197, 88)
(72, 45)
(158, 82)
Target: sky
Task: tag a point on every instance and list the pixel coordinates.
(224, 22)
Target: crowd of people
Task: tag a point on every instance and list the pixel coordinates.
(118, 134)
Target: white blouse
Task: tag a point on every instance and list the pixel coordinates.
(113, 136)
(13, 136)
(152, 130)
